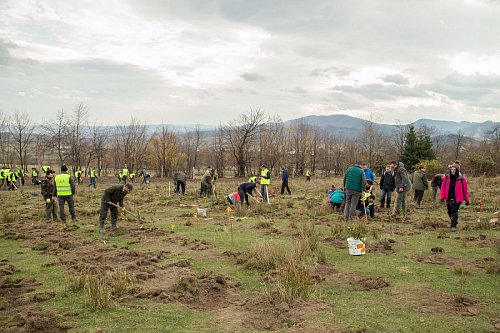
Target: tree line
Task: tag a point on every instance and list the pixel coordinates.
(236, 148)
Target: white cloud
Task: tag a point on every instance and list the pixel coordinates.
(471, 64)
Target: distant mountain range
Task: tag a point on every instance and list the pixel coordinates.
(351, 126)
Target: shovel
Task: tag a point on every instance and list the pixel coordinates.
(137, 217)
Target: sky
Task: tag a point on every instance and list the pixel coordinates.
(206, 61)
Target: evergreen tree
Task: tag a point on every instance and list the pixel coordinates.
(409, 157)
(425, 151)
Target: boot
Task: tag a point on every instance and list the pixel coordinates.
(388, 202)
(382, 202)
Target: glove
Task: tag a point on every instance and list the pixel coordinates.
(466, 203)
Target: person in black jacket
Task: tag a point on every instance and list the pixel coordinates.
(436, 184)
(246, 189)
(284, 181)
(114, 194)
(387, 186)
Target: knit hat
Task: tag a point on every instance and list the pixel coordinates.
(64, 168)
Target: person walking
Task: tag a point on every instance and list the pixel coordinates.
(420, 184)
(34, 176)
(78, 176)
(47, 189)
(180, 187)
(284, 181)
(387, 186)
(64, 191)
(308, 176)
(113, 195)
(354, 183)
(454, 191)
(265, 181)
(403, 186)
(436, 184)
(93, 177)
(124, 174)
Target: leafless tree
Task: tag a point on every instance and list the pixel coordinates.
(131, 142)
(165, 149)
(99, 137)
(4, 138)
(21, 129)
(272, 143)
(56, 131)
(400, 134)
(239, 134)
(76, 134)
(458, 140)
(192, 143)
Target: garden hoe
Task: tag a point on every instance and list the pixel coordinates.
(137, 217)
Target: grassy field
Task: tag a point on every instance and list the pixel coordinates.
(282, 267)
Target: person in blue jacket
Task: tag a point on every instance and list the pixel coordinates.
(368, 173)
(337, 198)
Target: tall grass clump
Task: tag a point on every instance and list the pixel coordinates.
(309, 234)
(294, 281)
(8, 217)
(265, 255)
(97, 292)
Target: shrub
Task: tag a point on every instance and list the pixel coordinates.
(293, 282)
(357, 230)
(265, 255)
(96, 291)
(310, 235)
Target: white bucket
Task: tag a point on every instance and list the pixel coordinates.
(201, 212)
(356, 247)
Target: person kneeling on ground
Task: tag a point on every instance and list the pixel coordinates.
(111, 198)
(233, 198)
(245, 190)
(367, 205)
(337, 198)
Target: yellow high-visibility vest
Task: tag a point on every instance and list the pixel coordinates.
(62, 185)
(125, 172)
(263, 174)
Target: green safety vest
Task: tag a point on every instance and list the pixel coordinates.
(308, 173)
(78, 173)
(34, 173)
(263, 174)
(124, 172)
(2, 174)
(252, 179)
(45, 168)
(92, 173)
(132, 175)
(62, 185)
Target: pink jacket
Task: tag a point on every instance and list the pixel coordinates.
(461, 192)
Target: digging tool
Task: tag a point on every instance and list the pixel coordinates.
(251, 196)
(137, 217)
(214, 190)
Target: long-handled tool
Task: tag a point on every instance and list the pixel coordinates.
(128, 211)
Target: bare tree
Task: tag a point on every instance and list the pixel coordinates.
(192, 141)
(131, 142)
(99, 138)
(57, 133)
(76, 134)
(164, 146)
(239, 134)
(22, 129)
(4, 138)
(458, 140)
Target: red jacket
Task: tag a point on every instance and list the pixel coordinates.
(461, 192)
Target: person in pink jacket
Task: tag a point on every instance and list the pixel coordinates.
(454, 192)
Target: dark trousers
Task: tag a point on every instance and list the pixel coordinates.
(51, 210)
(243, 196)
(419, 194)
(308, 178)
(336, 206)
(284, 185)
(264, 191)
(104, 213)
(79, 179)
(205, 190)
(385, 193)
(435, 190)
(453, 208)
(351, 201)
(180, 187)
(71, 206)
(92, 182)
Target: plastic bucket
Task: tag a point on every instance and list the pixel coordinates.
(356, 247)
(201, 212)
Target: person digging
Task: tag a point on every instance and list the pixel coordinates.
(112, 197)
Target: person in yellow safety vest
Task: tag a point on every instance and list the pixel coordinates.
(308, 176)
(132, 177)
(366, 205)
(265, 181)
(252, 179)
(3, 177)
(34, 176)
(124, 174)
(93, 177)
(5, 180)
(20, 176)
(12, 180)
(45, 168)
(78, 176)
(64, 191)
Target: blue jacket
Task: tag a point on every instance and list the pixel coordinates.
(248, 187)
(369, 174)
(284, 176)
(337, 196)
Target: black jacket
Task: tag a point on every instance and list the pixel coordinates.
(437, 180)
(387, 181)
(248, 187)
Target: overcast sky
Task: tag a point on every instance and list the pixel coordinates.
(203, 61)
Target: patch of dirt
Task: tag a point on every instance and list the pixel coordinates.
(385, 246)
(433, 302)
(437, 249)
(367, 283)
(322, 272)
(436, 259)
(433, 224)
(336, 242)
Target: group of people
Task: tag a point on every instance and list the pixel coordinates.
(11, 178)
(358, 188)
